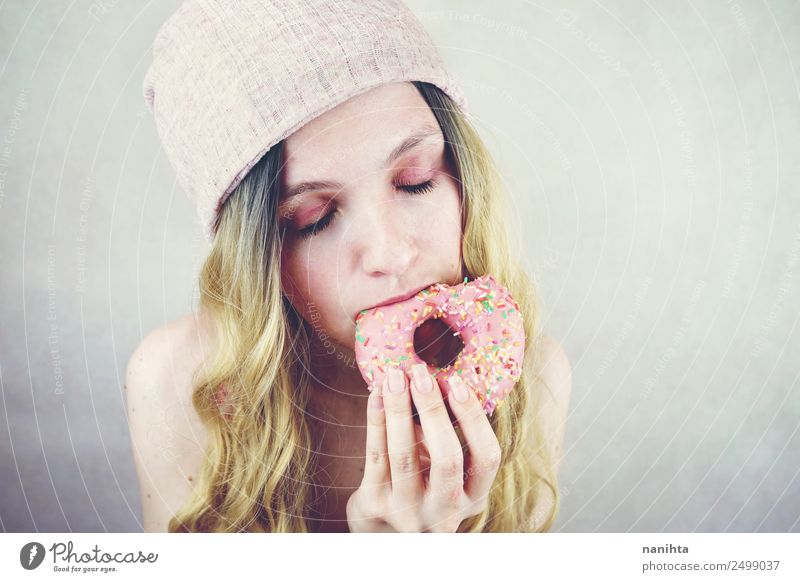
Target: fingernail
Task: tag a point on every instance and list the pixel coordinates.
(422, 380)
(376, 400)
(459, 389)
(397, 380)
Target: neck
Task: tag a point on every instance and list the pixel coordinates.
(337, 387)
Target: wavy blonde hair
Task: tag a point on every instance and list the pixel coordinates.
(258, 468)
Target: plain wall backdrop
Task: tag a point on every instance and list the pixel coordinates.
(651, 151)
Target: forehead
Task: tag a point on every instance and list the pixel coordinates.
(360, 129)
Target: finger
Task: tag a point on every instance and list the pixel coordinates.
(422, 447)
(401, 440)
(447, 458)
(424, 455)
(376, 462)
(485, 453)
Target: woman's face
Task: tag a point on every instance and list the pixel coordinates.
(373, 220)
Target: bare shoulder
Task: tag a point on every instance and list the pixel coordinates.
(167, 437)
(554, 375)
(553, 380)
(555, 369)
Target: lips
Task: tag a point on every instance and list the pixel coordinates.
(399, 298)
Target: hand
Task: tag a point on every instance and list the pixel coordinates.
(394, 494)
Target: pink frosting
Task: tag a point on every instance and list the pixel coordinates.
(481, 311)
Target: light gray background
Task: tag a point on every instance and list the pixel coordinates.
(652, 151)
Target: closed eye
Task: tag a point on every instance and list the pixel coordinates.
(426, 186)
(325, 221)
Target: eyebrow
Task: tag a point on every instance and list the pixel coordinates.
(422, 135)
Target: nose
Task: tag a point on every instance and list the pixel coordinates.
(386, 244)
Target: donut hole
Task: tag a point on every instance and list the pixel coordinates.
(436, 343)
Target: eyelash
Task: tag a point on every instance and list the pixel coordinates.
(324, 222)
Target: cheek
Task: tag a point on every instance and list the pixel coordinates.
(306, 275)
(438, 221)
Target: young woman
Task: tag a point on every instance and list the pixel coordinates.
(252, 415)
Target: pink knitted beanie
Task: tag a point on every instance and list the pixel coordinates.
(231, 78)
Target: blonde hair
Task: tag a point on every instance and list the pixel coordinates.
(258, 467)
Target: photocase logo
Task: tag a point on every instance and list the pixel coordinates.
(67, 558)
(31, 555)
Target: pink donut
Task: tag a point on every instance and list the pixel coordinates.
(481, 311)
